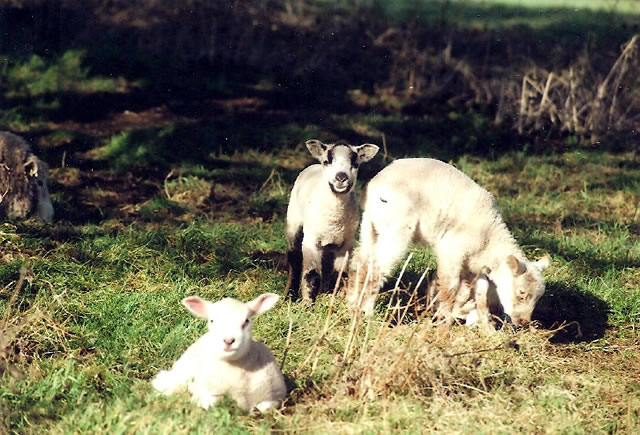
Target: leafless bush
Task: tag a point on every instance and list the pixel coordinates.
(420, 70)
(578, 100)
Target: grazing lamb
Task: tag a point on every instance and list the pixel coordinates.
(323, 216)
(425, 200)
(23, 181)
(226, 360)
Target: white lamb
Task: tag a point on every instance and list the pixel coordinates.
(226, 360)
(323, 216)
(425, 200)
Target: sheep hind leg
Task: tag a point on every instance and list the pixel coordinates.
(448, 286)
(360, 261)
(294, 261)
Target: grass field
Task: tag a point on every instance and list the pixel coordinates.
(100, 311)
(161, 194)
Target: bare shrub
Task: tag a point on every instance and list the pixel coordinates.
(579, 100)
(582, 99)
(421, 70)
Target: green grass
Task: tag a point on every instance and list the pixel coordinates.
(163, 195)
(38, 76)
(101, 315)
(537, 14)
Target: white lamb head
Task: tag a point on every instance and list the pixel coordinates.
(520, 286)
(340, 162)
(229, 322)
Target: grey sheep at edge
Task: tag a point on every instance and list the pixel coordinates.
(23, 181)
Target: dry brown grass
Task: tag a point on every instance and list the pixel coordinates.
(27, 334)
(390, 373)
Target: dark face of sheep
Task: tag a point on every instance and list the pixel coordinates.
(340, 162)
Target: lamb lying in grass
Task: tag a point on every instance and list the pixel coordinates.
(323, 216)
(425, 200)
(23, 181)
(226, 360)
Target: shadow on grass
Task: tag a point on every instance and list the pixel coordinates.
(585, 316)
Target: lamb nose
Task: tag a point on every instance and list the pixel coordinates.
(229, 341)
(341, 177)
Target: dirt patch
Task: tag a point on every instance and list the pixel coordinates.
(123, 121)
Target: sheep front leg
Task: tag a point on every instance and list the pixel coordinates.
(482, 303)
(448, 285)
(265, 405)
(201, 396)
(311, 270)
(171, 381)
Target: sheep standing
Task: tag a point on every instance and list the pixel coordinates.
(425, 200)
(226, 360)
(23, 181)
(323, 216)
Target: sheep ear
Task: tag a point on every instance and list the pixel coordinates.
(196, 305)
(262, 303)
(517, 268)
(366, 152)
(316, 148)
(31, 167)
(543, 263)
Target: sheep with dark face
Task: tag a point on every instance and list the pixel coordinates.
(23, 181)
(323, 216)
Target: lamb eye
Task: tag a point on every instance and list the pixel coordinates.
(210, 321)
(246, 322)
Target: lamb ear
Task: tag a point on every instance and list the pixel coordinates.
(316, 148)
(31, 166)
(262, 303)
(196, 305)
(366, 152)
(517, 268)
(543, 263)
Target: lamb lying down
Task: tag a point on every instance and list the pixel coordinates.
(226, 360)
